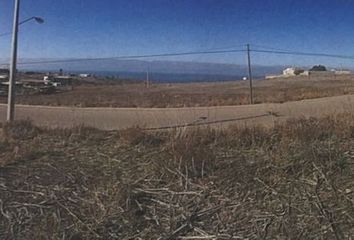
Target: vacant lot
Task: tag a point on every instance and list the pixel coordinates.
(294, 181)
(194, 94)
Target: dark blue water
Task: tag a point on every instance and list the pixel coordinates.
(166, 77)
(158, 77)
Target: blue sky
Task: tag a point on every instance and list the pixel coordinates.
(104, 28)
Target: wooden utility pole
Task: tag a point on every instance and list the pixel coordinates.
(148, 78)
(13, 68)
(250, 72)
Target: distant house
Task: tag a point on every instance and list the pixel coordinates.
(342, 72)
(292, 71)
(4, 86)
(273, 76)
(289, 72)
(4, 75)
(84, 75)
(315, 71)
(333, 72)
(58, 80)
(4, 78)
(319, 73)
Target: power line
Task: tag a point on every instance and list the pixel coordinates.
(38, 19)
(271, 48)
(131, 57)
(5, 34)
(297, 53)
(208, 51)
(304, 54)
(225, 48)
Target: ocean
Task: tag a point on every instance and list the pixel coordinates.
(167, 77)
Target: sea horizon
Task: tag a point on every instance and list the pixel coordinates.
(158, 77)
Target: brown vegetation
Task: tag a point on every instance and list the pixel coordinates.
(293, 181)
(193, 94)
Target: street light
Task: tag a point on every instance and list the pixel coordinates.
(36, 19)
(13, 63)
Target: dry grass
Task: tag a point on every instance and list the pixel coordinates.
(293, 181)
(194, 94)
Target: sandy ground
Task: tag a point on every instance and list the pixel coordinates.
(151, 118)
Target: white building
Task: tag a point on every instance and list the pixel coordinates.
(289, 72)
(273, 76)
(4, 78)
(84, 75)
(292, 71)
(342, 72)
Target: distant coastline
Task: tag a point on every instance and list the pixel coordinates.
(167, 77)
(161, 77)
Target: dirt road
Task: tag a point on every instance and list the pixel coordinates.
(151, 118)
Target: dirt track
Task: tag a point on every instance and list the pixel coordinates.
(118, 118)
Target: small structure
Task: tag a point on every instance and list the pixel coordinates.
(293, 71)
(342, 72)
(57, 81)
(288, 72)
(315, 71)
(319, 73)
(84, 75)
(268, 77)
(4, 75)
(4, 78)
(4, 87)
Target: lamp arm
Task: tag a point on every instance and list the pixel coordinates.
(26, 20)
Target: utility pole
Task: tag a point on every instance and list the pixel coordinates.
(250, 72)
(148, 78)
(13, 67)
